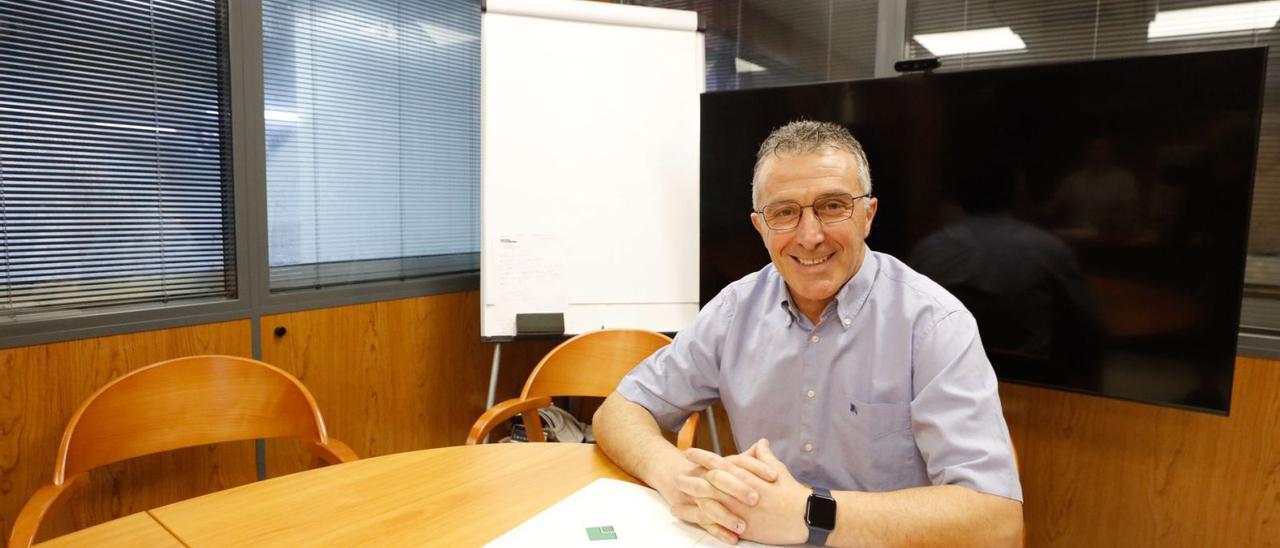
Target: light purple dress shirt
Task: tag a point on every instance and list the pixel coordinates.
(891, 389)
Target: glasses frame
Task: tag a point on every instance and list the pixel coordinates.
(765, 219)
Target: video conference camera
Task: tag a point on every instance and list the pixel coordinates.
(917, 65)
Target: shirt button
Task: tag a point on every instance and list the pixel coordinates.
(811, 393)
(808, 447)
(813, 338)
(846, 322)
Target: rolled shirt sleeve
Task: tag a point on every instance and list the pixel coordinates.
(956, 416)
(683, 377)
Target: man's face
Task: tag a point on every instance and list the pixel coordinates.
(814, 258)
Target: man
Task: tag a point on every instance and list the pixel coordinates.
(855, 374)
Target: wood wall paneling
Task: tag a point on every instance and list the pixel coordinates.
(42, 386)
(396, 375)
(1103, 472)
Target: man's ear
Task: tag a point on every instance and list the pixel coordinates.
(873, 204)
(757, 222)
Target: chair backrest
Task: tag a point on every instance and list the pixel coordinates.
(592, 364)
(186, 402)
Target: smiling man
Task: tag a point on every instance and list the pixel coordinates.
(859, 386)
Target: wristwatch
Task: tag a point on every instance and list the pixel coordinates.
(820, 516)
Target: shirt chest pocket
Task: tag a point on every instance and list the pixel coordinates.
(878, 441)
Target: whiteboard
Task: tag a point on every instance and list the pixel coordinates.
(589, 165)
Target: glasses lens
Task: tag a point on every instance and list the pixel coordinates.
(834, 208)
(782, 216)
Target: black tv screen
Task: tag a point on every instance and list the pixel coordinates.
(1092, 216)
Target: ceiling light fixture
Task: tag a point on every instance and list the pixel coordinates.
(971, 41)
(1214, 19)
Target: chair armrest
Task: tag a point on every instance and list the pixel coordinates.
(332, 452)
(33, 512)
(501, 412)
(688, 432)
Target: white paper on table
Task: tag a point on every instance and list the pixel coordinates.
(638, 515)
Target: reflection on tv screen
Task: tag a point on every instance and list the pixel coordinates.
(1092, 216)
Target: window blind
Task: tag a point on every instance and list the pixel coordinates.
(720, 35)
(1071, 30)
(763, 43)
(788, 43)
(372, 127)
(114, 161)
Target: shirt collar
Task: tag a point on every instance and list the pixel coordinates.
(849, 299)
(853, 295)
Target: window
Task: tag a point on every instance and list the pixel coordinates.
(115, 186)
(372, 139)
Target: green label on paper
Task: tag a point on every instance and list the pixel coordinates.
(601, 533)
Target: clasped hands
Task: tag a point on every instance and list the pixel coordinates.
(750, 495)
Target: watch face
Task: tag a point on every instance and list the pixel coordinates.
(821, 512)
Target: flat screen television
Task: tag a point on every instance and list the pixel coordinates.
(1093, 216)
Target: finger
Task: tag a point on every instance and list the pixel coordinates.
(696, 487)
(709, 460)
(689, 513)
(722, 516)
(723, 535)
(755, 466)
(733, 482)
(766, 454)
(704, 458)
(726, 487)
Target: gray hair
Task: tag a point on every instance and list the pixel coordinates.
(806, 136)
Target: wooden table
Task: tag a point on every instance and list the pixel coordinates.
(456, 496)
(133, 530)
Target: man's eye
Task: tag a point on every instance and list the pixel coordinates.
(784, 212)
(835, 205)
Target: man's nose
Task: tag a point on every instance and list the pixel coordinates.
(810, 231)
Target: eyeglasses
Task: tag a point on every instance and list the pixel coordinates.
(829, 209)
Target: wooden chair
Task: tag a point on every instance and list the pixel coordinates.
(179, 403)
(591, 364)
